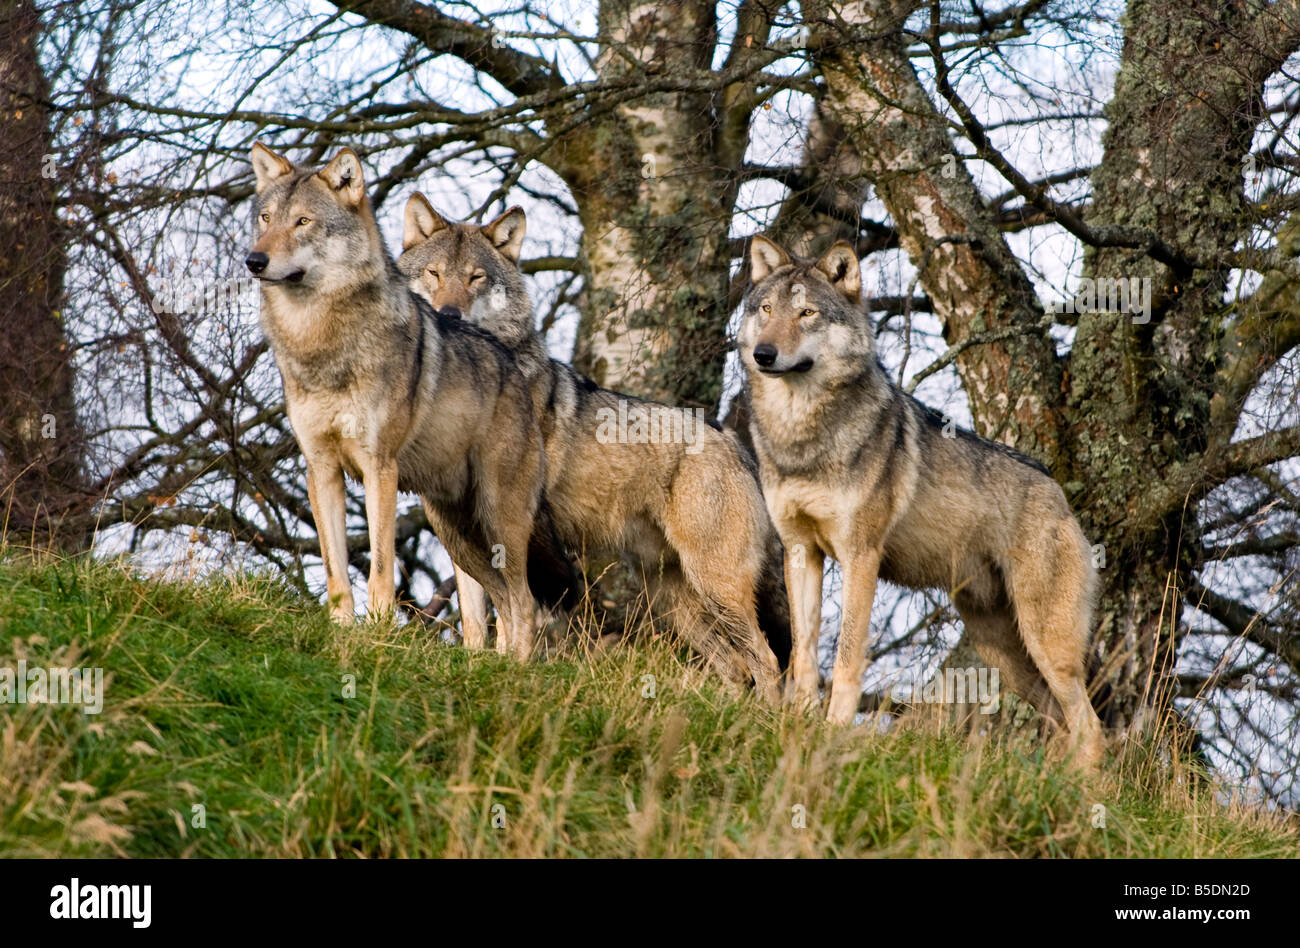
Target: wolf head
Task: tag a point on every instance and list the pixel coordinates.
(803, 317)
(468, 271)
(314, 228)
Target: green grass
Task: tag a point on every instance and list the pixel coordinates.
(229, 694)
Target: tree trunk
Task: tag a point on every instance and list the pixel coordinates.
(967, 269)
(655, 181)
(41, 450)
(1187, 99)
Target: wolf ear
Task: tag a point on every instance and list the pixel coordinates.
(422, 221)
(268, 166)
(507, 232)
(764, 257)
(343, 175)
(841, 267)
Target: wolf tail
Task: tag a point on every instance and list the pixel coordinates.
(773, 603)
(553, 577)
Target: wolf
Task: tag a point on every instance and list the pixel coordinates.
(380, 388)
(673, 492)
(854, 468)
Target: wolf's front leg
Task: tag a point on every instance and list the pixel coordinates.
(516, 608)
(473, 610)
(804, 562)
(328, 500)
(380, 479)
(861, 571)
(520, 623)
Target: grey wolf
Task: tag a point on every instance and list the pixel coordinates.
(381, 389)
(680, 497)
(854, 468)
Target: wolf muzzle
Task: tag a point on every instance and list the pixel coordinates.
(765, 358)
(257, 262)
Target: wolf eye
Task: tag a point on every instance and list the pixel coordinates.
(808, 312)
(266, 218)
(480, 275)
(303, 220)
(767, 308)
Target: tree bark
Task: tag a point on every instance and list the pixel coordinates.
(41, 451)
(1141, 397)
(943, 223)
(655, 180)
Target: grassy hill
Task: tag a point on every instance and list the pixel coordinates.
(232, 695)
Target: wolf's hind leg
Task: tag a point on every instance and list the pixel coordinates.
(694, 623)
(994, 634)
(1054, 615)
(722, 572)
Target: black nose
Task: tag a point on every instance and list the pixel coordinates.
(449, 312)
(765, 354)
(257, 262)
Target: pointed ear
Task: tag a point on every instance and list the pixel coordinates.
(268, 166)
(764, 257)
(841, 267)
(422, 221)
(343, 175)
(507, 232)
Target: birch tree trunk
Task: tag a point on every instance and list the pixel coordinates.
(656, 180)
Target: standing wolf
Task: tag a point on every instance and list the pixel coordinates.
(622, 474)
(854, 468)
(379, 387)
